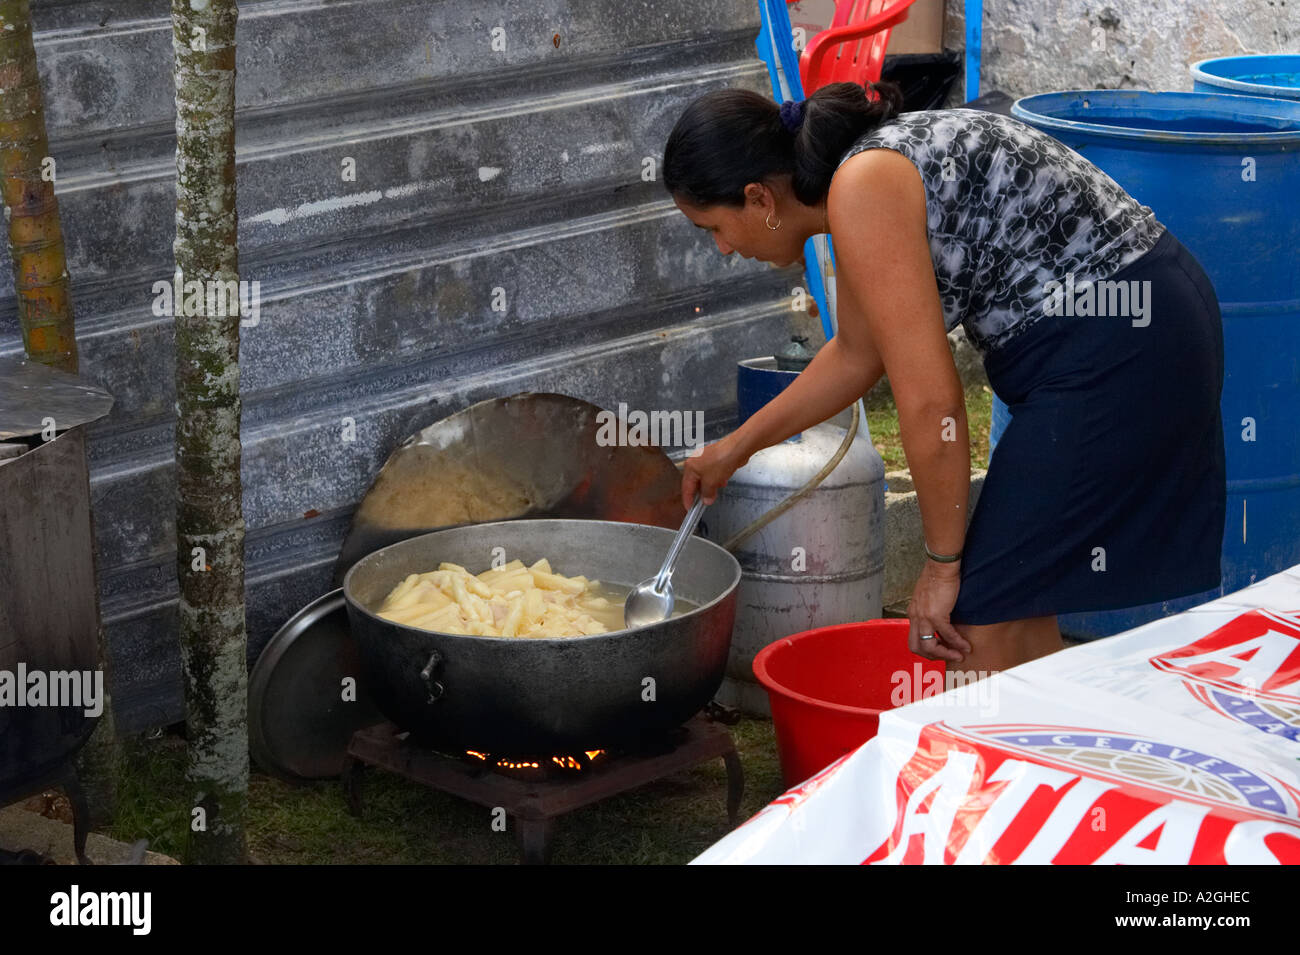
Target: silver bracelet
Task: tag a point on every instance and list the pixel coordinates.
(943, 560)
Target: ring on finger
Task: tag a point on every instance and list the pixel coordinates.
(927, 636)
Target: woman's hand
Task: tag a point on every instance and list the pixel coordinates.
(932, 601)
(709, 471)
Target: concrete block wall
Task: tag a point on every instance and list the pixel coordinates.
(1036, 46)
(496, 145)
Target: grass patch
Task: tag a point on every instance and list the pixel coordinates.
(667, 822)
(882, 419)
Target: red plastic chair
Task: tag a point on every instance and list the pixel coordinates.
(852, 48)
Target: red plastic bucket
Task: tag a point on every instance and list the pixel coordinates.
(829, 686)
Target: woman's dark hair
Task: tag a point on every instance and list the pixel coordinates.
(729, 138)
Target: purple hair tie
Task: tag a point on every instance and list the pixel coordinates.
(792, 114)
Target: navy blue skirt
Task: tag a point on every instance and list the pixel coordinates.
(1107, 489)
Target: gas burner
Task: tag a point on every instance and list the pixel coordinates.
(536, 767)
(533, 766)
(536, 790)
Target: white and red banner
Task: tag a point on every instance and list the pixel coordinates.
(1177, 742)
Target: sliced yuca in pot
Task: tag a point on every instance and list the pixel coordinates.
(514, 600)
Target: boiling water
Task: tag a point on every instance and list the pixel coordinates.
(612, 615)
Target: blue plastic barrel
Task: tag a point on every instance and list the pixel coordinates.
(1273, 75)
(1222, 172)
(1001, 418)
(758, 381)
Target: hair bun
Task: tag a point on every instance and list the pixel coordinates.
(792, 114)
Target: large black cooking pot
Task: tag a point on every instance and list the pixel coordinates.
(523, 695)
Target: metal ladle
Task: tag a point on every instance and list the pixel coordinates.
(651, 601)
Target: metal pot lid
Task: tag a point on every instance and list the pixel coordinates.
(31, 393)
(299, 722)
(530, 455)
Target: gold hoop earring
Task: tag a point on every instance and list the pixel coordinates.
(769, 225)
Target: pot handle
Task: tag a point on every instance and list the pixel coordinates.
(435, 687)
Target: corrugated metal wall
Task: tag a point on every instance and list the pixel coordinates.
(517, 167)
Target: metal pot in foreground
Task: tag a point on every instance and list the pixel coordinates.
(527, 695)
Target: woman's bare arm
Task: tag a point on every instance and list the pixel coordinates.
(887, 290)
(837, 376)
(890, 319)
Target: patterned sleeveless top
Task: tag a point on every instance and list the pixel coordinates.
(1008, 210)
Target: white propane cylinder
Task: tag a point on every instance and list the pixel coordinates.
(820, 563)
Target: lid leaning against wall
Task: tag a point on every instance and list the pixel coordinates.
(34, 396)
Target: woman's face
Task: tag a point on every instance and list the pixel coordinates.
(744, 230)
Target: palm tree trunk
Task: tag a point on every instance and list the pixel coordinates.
(27, 178)
(209, 512)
